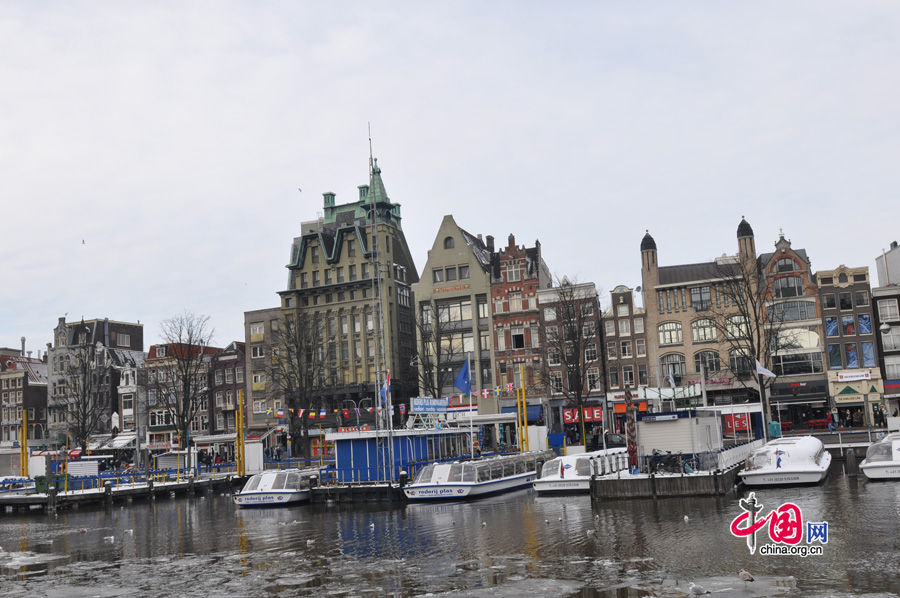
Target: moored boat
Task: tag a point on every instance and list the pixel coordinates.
(277, 488)
(882, 460)
(572, 473)
(787, 460)
(477, 477)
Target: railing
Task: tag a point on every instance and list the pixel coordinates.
(736, 454)
(606, 464)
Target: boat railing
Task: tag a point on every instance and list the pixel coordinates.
(610, 463)
(733, 455)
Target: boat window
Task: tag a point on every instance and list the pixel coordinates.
(496, 471)
(278, 484)
(292, 482)
(469, 473)
(880, 451)
(758, 460)
(484, 473)
(583, 466)
(520, 466)
(455, 474)
(550, 468)
(252, 484)
(424, 475)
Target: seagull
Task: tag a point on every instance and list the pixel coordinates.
(129, 532)
(109, 539)
(686, 518)
(547, 521)
(484, 524)
(745, 576)
(310, 542)
(697, 590)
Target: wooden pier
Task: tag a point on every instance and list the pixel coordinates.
(55, 498)
(348, 493)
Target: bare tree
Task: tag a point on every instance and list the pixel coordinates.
(87, 378)
(442, 347)
(571, 343)
(298, 370)
(181, 380)
(748, 324)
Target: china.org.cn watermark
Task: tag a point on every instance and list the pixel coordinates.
(785, 528)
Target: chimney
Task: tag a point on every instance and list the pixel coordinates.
(512, 240)
(893, 244)
(23, 345)
(490, 243)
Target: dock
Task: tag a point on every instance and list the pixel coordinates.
(624, 486)
(55, 498)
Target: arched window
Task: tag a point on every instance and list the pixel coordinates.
(670, 333)
(703, 330)
(708, 358)
(673, 363)
(739, 362)
(842, 278)
(448, 243)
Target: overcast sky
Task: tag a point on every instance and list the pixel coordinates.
(151, 153)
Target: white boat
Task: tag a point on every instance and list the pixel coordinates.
(882, 460)
(572, 473)
(466, 479)
(277, 488)
(789, 460)
(15, 485)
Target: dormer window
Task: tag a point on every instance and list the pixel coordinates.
(449, 243)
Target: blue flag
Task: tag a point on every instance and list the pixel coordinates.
(463, 382)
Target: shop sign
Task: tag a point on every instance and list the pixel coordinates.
(851, 376)
(840, 399)
(591, 414)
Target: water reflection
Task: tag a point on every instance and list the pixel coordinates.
(512, 545)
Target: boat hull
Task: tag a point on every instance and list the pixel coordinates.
(271, 499)
(783, 478)
(881, 471)
(579, 486)
(463, 490)
(787, 461)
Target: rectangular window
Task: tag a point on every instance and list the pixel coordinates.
(437, 275)
(628, 375)
(643, 379)
(852, 356)
(640, 347)
(239, 375)
(123, 340)
(848, 326)
(356, 323)
(515, 301)
(624, 327)
(611, 350)
(340, 274)
(351, 248)
(610, 328)
(590, 353)
(892, 367)
(845, 301)
(788, 286)
(622, 310)
(593, 379)
(463, 272)
(518, 337)
(639, 325)
(828, 301)
(865, 324)
(556, 381)
(887, 309)
(613, 377)
(891, 339)
(218, 377)
(315, 278)
(834, 357)
(831, 326)
(229, 376)
(553, 356)
(513, 273)
(451, 274)
(256, 351)
(701, 298)
(220, 398)
(626, 348)
(868, 355)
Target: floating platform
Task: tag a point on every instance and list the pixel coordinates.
(625, 486)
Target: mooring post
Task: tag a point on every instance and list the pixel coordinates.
(51, 499)
(107, 490)
(852, 468)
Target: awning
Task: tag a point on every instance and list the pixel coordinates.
(213, 438)
(535, 412)
(260, 433)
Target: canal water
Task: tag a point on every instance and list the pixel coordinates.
(513, 545)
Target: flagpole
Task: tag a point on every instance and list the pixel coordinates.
(471, 426)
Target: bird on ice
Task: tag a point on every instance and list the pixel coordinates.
(686, 518)
(697, 590)
(745, 576)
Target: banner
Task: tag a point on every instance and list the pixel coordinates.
(737, 422)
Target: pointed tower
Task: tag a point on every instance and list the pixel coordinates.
(649, 273)
(746, 242)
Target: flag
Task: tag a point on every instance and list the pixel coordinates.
(671, 380)
(402, 408)
(463, 380)
(761, 369)
(347, 413)
(386, 388)
(370, 409)
(281, 413)
(357, 411)
(312, 415)
(509, 387)
(300, 412)
(486, 392)
(322, 414)
(497, 391)
(270, 412)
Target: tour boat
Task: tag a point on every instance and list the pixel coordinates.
(787, 460)
(572, 473)
(478, 477)
(15, 485)
(882, 460)
(277, 488)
